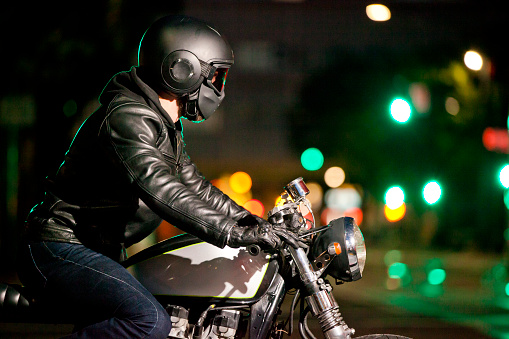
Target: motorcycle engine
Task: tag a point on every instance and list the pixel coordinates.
(223, 326)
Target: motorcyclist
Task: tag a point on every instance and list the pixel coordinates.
(124, 172)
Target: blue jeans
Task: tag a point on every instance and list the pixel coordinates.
(105, 300)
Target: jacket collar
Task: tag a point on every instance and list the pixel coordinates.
(131, 85)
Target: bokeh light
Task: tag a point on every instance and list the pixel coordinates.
(421, 97)
(436, 276)
(452, 106)
(400, 272)
(334, 176)
(504, 176)
(312, 159)
(224, 184)
(315, 196)
(378, 12)
(255, 207)
(396, 214)
(393, 284)
(329, 214)
(400, 110)
(397, 270)
(343, 198)
(355, 213)
(240, 182)
(473, 60)
(394, 197)
(432, 192)
(392, 256)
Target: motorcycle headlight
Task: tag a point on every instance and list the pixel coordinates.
(349, 264)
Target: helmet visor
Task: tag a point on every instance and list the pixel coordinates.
(219, 78)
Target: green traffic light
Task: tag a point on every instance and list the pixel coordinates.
(312, 159)
(400, 110)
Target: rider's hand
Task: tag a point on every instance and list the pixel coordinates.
(269, 231)
(253, 235)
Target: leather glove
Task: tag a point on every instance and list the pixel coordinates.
(277, 235)
(253, 235)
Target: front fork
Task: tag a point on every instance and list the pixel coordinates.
(320, 299)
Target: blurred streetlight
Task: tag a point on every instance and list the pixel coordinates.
(334, 176)
(377, 12)
(473, 60)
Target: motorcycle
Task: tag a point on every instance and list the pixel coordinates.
(237, 292)
(233, 292)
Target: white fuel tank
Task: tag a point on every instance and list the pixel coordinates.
(203, 270)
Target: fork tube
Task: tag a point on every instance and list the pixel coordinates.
(306, 272)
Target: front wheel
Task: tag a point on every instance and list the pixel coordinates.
(382, 336)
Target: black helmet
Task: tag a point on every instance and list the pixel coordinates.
(181, 57)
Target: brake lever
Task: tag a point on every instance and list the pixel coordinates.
(313, 231)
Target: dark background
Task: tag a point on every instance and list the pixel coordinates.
(307, 74)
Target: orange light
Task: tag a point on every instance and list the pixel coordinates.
(396, 214)
(255, 207)
(221, 184)
(240, 182)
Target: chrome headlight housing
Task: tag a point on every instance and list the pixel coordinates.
(348, 265)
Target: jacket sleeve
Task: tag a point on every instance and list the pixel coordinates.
(133, 132)
(195, 181)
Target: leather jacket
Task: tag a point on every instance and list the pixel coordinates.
(124, 172)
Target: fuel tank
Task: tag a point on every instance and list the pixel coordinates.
(185, 266)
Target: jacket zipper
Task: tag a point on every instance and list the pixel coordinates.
(179, 152)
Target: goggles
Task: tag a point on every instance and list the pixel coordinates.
(219, 78)
(216, 75)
